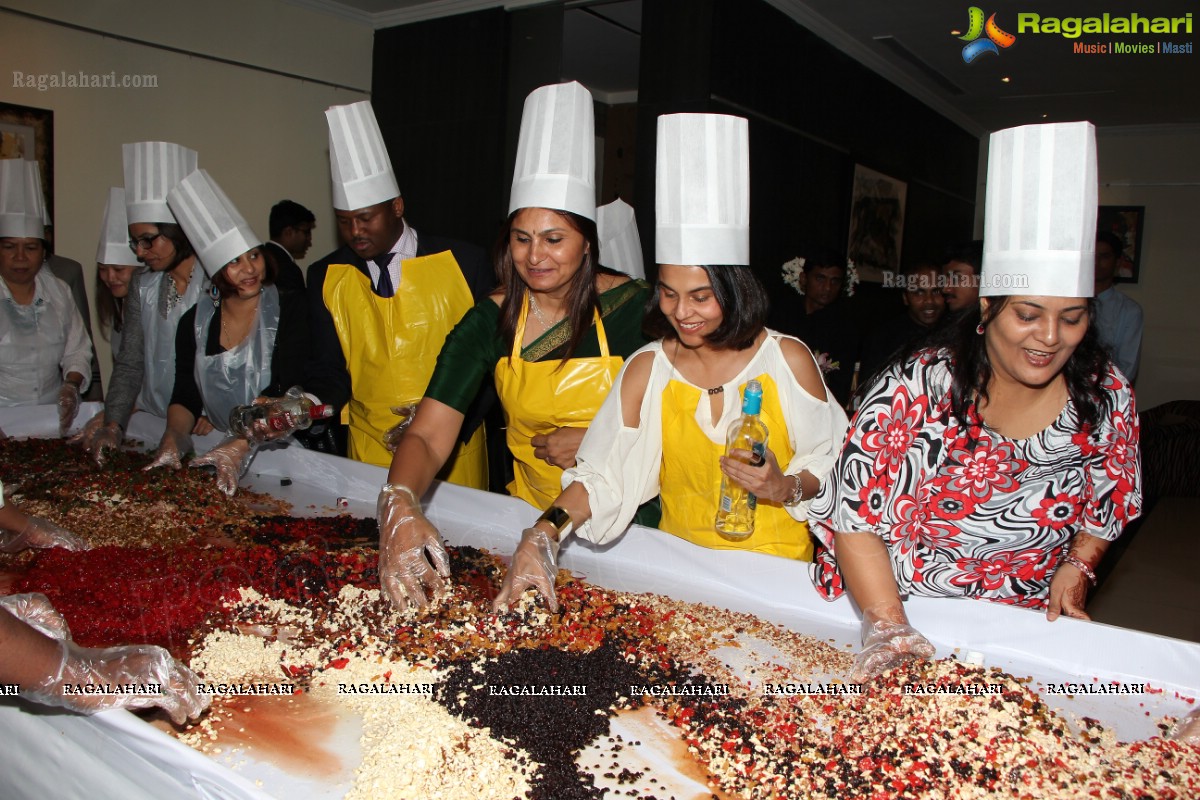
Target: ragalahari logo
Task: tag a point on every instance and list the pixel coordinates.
(996, 38)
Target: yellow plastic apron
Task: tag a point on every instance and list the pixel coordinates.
(690, 477)
(391, 345)
(539, 397)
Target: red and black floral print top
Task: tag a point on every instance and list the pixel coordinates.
(988, 519)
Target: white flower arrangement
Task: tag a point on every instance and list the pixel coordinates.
(793, 274)
(852, 278)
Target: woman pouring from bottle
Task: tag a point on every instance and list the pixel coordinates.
(553, 337)
(247, 340)
(144, 369)
(662, 429)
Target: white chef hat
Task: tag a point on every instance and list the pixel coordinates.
(1039, 228)
(702, 190)
(114, 233)
(21, 199)
(358, 159)
(151, 169)
(556, 152)
(620, 245)
(211, 221)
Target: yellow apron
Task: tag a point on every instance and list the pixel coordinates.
(538, 398)
(690, 477)
(391, 346)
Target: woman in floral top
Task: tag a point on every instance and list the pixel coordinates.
(998, 463)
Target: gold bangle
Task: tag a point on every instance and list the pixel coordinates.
(797, 493)
(558, 518)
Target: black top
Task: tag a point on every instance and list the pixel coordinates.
(288, 360)
(327, 376)
(893, 335)
(830, 331)
(288, 275)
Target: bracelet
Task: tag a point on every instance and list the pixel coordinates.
(797, 493)
(1082, 566)
(558, 518)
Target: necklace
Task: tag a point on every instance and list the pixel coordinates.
(537, 312)
(225, 327)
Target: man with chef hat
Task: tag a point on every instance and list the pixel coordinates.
(382, 304)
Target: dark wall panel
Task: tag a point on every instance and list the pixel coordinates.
(439, 90)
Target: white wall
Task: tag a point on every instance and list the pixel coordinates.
(1157, 167)
(261, 136)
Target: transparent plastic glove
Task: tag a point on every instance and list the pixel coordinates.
(97, 438)
(231, 458)
(144, 664)
(391, 437)
(68, 406)
(88, 429)
(1187, 729)
(171, 450)
(36, 611)
(408, 542)
(534, 563)
(887, 643)
(39, 534)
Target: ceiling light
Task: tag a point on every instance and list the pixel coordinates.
(956, 33)
(1006, 79)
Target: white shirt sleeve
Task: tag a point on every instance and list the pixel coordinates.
(816, 429)
(617, 465)
(77, 354)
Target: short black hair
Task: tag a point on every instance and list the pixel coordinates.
(287, 213)
(825, 257)
(743, 302)
(970, 253)
(1112, 240)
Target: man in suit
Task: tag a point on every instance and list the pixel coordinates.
(382, 304)
(291, 226)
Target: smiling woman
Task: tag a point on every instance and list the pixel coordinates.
(1000, 459)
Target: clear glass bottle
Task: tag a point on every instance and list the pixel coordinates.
(266, 422)
(735, 512)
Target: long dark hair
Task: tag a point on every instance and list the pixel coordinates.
(744, 306)
(582, 299)
(971, 371)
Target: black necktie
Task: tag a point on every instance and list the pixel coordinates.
(384, 288)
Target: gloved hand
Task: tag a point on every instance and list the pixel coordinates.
(391, 437)
(888, 641)
(40, 533)
(36, 612)
(77, 666)
(231, 458)
(534, 563)
(68, 406)
(97, 437)
(1187, 729)
(171, 450)
(405, 536)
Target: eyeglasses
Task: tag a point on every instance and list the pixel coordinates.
(143, 242)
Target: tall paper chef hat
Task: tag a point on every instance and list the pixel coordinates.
(211, 221)
(114, 233)
(556, 154)
(358, 159)
(151, 169)
(1039, 227)
(21, 199)
(620, 245)
(702, 190)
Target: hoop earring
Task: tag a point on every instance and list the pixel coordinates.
(215, 294)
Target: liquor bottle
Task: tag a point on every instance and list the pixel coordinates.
(266, 422)
(735, 513)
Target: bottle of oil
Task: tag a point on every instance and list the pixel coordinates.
(735, 513)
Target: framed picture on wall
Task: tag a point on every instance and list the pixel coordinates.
(29, 133)
(876, 223)
(1128, 223)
